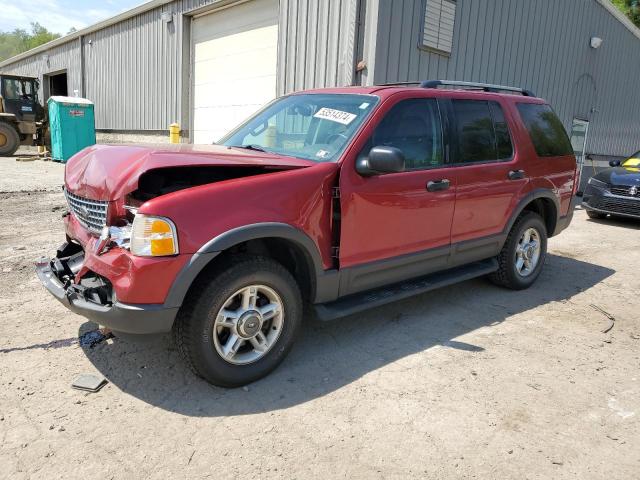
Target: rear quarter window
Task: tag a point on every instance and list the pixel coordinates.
(545, 129)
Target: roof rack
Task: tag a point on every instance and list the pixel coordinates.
(487, 87)
(398, 84)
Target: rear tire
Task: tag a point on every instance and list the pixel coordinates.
(9, 140)
(231, 343)
(523, 254)
(596, 215)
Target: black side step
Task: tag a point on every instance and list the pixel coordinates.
(381, 296)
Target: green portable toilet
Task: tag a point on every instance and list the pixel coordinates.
(72, 125)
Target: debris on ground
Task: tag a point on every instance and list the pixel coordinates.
(89, 383)
(611, 318)
(94, 337)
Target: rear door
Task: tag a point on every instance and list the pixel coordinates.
(397, 226)
(555, 166)
(490, 172)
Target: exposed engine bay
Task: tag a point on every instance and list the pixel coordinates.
(158, 182)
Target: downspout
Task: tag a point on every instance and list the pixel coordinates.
(369, 22)
(82, 67)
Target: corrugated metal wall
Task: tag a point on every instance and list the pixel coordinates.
(137, 70)
(539, 44)
(317, 43)
(134, 69)
(62, 57)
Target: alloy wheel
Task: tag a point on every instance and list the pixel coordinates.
(528, 252)
(248, 324)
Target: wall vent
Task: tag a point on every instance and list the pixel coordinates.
(439, 19)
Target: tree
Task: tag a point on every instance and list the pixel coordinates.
(631, 8)
(19, 40)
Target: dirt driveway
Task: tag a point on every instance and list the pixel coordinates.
(468, 382)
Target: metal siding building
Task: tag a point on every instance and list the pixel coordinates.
(138, 66)
(542, 45)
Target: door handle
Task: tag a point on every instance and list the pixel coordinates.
(516, 174)
(438, 185)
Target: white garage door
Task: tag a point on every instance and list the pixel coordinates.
(234, 71)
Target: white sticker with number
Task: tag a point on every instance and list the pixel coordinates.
(345, 118)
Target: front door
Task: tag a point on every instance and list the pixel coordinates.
(397, 226)
(489, 173)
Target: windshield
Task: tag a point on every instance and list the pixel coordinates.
(19, 89)
(315, 127)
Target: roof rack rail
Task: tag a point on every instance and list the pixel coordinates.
(397, 84)
(487, 87)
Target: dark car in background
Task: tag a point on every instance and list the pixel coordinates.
(615, 191)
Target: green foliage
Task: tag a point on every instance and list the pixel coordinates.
(18, 41)
(631, 8)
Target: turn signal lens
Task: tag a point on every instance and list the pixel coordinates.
(153, 236)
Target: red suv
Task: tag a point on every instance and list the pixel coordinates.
(344, 199)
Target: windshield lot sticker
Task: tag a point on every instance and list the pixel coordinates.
(364, 106)
(322, 154)
(345, 118)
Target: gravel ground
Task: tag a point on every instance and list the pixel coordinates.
(467, 382)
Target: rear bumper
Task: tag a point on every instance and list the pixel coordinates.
(564, 222)
(120, 317)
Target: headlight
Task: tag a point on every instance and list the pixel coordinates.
(153, 236)
(597, 183)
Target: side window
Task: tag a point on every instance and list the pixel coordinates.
(545, 129)
(503, 139)
(414, 127)
(476, 136)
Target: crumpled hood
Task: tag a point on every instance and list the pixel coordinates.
(108, 172)
(620, 176)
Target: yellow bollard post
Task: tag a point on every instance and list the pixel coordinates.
(174, 133)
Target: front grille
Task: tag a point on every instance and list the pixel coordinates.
(616, 205)
(625, 191)
(92, 214)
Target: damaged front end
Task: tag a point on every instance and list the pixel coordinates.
(92, 295)
(60, 273)
(122, 264)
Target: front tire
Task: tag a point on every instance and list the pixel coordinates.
(9, 140)
(238, 323)
(523, 254)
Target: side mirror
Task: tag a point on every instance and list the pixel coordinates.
(381, 160)
(614, 163)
